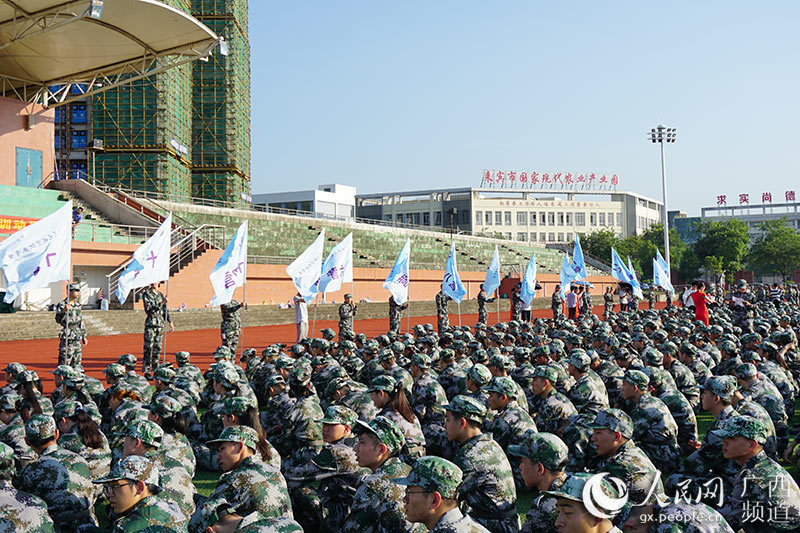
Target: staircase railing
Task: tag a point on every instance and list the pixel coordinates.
(189, 246)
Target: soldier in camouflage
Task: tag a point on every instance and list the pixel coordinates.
(436, 504)
(742, 301)
(12, 430)
(552, 410)
(231, 325)
(608, 302)
(516, 302)
(588, 394)
(573, 514)
(60, 477)
(555, 303)
(73, 334)
(347, 312)
(542, 457)
(451, 376)
(395, 313)
(80, 434)
(301, 438)
(442, 315)
(378, 502)
(763, 392)
(428, 400)
(132, 489)
(483, 314)
(487, 491)
(19, 511)
(155, 305)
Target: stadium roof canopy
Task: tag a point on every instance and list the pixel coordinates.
(48, 47)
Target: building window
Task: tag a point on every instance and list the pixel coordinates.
(543, 237)
(479, 218)
(561, 219)
(58, 136)
(569, 237)
(438, 218)
(580, 219)
(602, 219)
(522, 236)
(569, 219)
(619, 219)
(387, 218)
(533, 236)
(415, 218)
(592, 219)
(542, 218)
(426, 219)
(533, 219)
(498, 218)
(508, 218)
(551, 237)
(488, 218)
(522, 219)
(560, 237)
(551, 219)
(508, 235)
(465, 216)
(78, 113)
(78, 139)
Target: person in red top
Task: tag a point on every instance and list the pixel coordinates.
(701, 299)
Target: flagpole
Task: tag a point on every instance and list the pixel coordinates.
(459, 314)
(314, 322)
(244, 308)
(497, 299)
(408, 315)
(164, 332)
(66, 331)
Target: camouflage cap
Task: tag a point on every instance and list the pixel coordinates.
(688, 349)
(434, 474)
(274, 379)
(250, 352)
(300, 376)
(382, 382)
(547, 372)
(741, 283)
(500, 361)
(328, 332)
(28, 376)
(6, 452)
(615, 420)
(127, 360)
(114, 370)
(653, 357)
(222, 352)
(638, 378)
(236, 405)
(502, 385)
(165, 406)
(244, 434)
(385, 355)
(447, 354)
(743, 426)
(722, 386)
(728, 346)
(14, 368)
(226, 375)
(580, 360)
(746, 371)
(148, 432)
(74, 286)
(541, 351)
(544, 448)
(669, 348)
(750, 356)
(348, 345)
(284, 362)
(298, 350)
(211, 512)
(398, 347)
(479, 374)
(334, 385)
(9, 400)
(165, 374)
(622, 353)
(573, 486)
(386, 430)
(66, 409)
(479, 356)
(769, 347)
(421, 360)
(182, 357)
(339, 414)
(40, 428)
(467, 407)
(133, 468)
(65, 371)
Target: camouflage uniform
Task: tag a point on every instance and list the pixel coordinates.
(452, 379)
(686, 383)
(255, 485)
(68, 315)
(655, 431)
(155, 305)
(442, 316)
(689, 517)
(764, 393)
(346, 314)
(428, 401)
(395, 312)
(589, 395)
(13, 433)
(301, 439)
(552, 411)
(516, 305)
(763, 492)
(98, 459)
(742, 315)
(20, 511)
(61, 478)
(541, 518)
(556, 306)
(608, 304)
(483, 314)
(231, 324)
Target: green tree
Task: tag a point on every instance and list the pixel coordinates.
(726, 242)
(677, 248)
(777, 251)
(599, 243)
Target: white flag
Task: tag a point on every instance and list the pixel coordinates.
(305, 270)
(528, 291)
(150, 263)
(637, 287)
(231, 269)
(338, 266)
(39, 254)
(397, 281)
(493, 274)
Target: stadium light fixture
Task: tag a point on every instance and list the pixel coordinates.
(660, 135)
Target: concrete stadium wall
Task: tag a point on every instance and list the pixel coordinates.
(13, 135)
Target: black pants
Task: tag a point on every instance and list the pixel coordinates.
(572, 311)
(526, 316)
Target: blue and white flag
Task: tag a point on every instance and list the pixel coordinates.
(528, 291)
(305, 270)
(39, 254)
(451, 284)
(338, 266)
(231, 269)
(578, 264)
(637, 287)
(493, 274)
(397, 281)
(661, 274)
(567, 276)
(150, 263)
(618, 269)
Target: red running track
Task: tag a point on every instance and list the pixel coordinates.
(41, 355)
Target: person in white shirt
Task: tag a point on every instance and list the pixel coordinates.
(301, 317)
(572, 302)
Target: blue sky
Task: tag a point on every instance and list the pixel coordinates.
(419, 94)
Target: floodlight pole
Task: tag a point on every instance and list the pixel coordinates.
(660, 135)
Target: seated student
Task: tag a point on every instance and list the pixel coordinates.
(19, 511)
(573, 516)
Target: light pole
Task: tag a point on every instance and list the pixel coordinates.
(662, 134)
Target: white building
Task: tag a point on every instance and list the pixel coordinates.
(326, 201)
